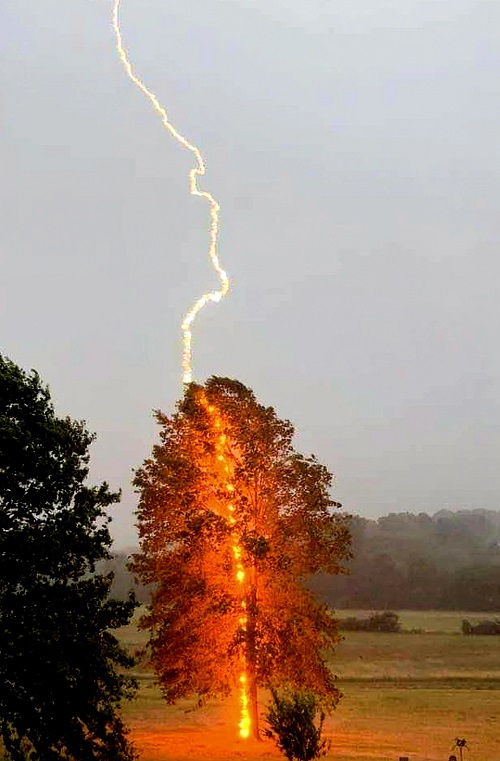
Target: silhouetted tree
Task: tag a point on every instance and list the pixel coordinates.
(60, 689)
(226, 483)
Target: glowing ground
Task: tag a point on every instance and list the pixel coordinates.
(404, 695)
(376, 721)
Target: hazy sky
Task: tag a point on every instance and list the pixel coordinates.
(355, 148)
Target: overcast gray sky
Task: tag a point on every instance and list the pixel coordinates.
(354, 146)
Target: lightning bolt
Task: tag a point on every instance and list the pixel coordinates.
(195, 173)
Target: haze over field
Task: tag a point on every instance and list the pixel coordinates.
(355, 150)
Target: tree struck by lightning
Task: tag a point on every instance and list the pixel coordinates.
(231, 519)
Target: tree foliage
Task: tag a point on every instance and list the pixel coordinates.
(60, 687)
(295, 722)
(284, 524)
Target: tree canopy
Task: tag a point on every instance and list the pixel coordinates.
(231, 520)
(62, 675)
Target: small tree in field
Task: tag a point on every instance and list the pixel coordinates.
(61, 670)
(295, 723)
(231, 519)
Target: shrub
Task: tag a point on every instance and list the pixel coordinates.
(466, 627)
(386, 621)
(483, 627)
(295, 723)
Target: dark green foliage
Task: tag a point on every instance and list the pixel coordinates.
(295, 722)
(377, 622)
(61, 670)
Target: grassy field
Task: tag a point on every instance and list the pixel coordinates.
(407, 694)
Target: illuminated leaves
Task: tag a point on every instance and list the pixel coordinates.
(226, 475)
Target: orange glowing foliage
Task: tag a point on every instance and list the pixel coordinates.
(231, 521)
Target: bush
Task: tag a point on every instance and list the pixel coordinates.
(353, 624)
(483, 627)
(295, 723)
(377, 622)
(466, 627)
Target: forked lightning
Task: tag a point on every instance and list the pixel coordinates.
(197, 171)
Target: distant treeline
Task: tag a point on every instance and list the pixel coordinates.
(448, 561)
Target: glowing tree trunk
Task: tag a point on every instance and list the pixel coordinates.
(223, 467)
(251, 655)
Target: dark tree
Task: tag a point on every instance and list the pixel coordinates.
(62, 672)
(232, 519)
